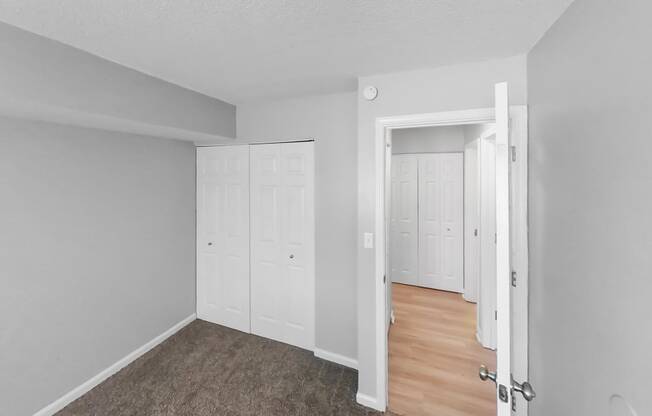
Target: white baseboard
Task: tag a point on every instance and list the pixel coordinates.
(368, 401)
(85, 387)
(336, 358)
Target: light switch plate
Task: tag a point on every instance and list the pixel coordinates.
(368, 240)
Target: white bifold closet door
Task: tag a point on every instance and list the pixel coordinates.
(282, 242)
(441, 223)
(426, 222)
(223, 235)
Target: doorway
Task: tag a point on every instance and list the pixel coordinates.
(441, 213)
(511, 239)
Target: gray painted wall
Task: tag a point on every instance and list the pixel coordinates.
(590, 97)
(48, 73)
(428, 140)
(474, 131)
(331, 121)
(456, 87)
(96, 253)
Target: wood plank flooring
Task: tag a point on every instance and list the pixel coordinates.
(434, 356)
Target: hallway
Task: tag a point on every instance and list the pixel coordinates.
(434, 356)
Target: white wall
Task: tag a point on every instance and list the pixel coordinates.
(331, 121)
(428, 140)
(454, 87)
(45, 75)
(97, 242)
(473, 131)
(97, 253)
(590, 95)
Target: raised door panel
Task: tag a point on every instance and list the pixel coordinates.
(404, 220)
(223, 236)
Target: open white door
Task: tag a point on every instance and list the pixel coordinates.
(503, 284)
(507, 387)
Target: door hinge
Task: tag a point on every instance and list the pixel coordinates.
(513, 149)
(513, 278)
(384, 278)
(475, 232)
(496, 315)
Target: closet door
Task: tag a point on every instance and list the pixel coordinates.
(441, 247)
(223, 236)
(404, 222)
(282, 242)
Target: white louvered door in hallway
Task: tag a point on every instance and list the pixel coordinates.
(282, 242)
(223, 235)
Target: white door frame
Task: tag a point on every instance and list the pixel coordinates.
(486, 324)
(382, 143)
(471, 221)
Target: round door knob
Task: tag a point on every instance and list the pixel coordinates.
(210, 243)
(291, 256)
(484, 374)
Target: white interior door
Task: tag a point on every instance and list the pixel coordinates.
(223, 235)
(404, 221)
(471, 221)
(441, 200)
(282, 242)
(503, 252)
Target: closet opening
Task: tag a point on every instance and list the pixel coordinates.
(441, 270)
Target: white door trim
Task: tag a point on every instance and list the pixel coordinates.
(383, 128)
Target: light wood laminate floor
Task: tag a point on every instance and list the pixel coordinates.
(434, 356)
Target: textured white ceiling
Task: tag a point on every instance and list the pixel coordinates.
(243, 50)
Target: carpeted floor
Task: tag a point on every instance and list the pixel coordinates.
(206, 369)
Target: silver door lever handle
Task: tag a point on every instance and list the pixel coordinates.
(484, 374)
(525, 389)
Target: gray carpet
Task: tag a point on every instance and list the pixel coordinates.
(206, 369)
